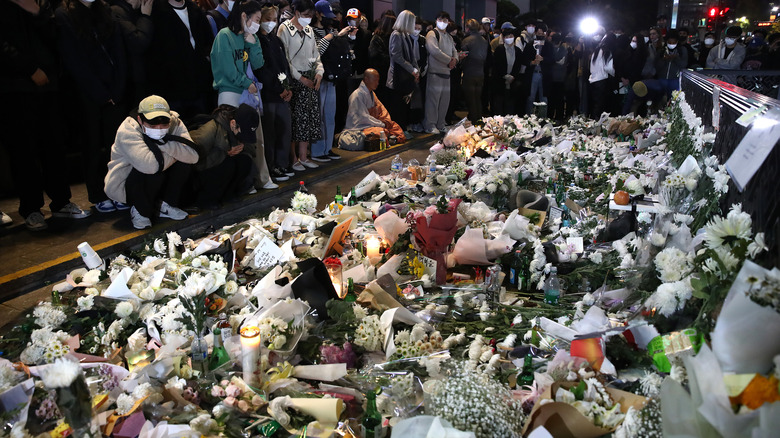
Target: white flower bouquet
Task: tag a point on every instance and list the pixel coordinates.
(304, 203)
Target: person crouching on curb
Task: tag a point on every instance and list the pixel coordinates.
(151, 161)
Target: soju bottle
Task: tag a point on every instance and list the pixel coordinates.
(372, 420)
(519, 178)
(351, 297)
(550, 186)
(218, 354)
(302, 188)
(552, 288)
(338, 198)
(526, 377)
(352, 198)
(516, 270)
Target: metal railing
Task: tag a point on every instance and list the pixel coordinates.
(766, 82)
(760, 197)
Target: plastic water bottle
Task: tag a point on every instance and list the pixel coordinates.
(552, 288)
(431, 164)
(397, 165)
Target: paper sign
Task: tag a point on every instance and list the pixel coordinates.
(754, 148)
(749, 116)
(430, 265)
(573, 207)
(334, 245)
(716, 108)
(267, 253)
(555, 213)
(367, 184)
(577, 243)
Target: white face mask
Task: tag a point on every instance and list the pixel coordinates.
(530, 29)
(441, 25)
(730, 41)
(230, 5)
(252, 28)
(352, 23)
(509, 41)
(155, 134)
(304, 21)
(709, 41)
(634, 44)
(671, 46)
(268, 26)
(416, 32)
(647, 39)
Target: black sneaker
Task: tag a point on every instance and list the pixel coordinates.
(288, 171)
(333, 156)
(321, 159)
(278, 175)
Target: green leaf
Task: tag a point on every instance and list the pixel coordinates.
(579, 390)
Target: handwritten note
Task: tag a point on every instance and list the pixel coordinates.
(430, 265)
(752, 151)
(267, 253)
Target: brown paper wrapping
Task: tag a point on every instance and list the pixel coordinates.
(563, 420)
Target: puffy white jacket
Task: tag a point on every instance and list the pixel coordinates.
(131, 152)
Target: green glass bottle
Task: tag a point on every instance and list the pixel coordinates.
(527, 375)
(218, 354)
(550, 186)
(372, 420)
(515, 270)
(351, 297)
(339, 199)
(352, 198)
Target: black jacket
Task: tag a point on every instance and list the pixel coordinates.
(499, 66)
(275, 63)
(27, 43)
(137, 30)
(99, 68)
(176, 70)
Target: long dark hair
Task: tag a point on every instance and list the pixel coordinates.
(90, 22)
(606, 47)
(385, 27)
(302, 5)
(248, 7)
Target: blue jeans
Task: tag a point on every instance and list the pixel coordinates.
(328, 115)
(536, 91)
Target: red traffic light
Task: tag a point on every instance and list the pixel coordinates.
(713, 12)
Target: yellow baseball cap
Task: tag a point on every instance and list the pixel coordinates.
(153, 107)
(640, 89)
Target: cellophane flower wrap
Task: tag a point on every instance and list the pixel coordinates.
(434, 234)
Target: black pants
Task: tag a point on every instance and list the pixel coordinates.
(555, 93)
(599, 97)
(30, 130)
(506, 102)
(224, 181)
(144, 191)
(398, 109)
(98, 137)
(277, 131)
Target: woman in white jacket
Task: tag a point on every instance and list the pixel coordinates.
(150, 162)
(602, 77)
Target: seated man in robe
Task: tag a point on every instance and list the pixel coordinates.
(367, 116)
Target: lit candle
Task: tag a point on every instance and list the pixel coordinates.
(334, 267)
(338, 288)
(250, 352)
(372, 247)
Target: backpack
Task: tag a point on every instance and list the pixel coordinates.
(218, 18)
(337, 60)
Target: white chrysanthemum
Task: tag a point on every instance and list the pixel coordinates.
(85, 303)
(669, 297)
(204, 424)
(60, 374)
(160, 247)
(673, 264)
(736, 225)
(650, 384)
(9, 377)
(595, 257)
(124, 403)
(359, 311)
(47, 315)
(369, 334)
(124, 309)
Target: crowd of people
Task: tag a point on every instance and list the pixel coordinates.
(181, 105)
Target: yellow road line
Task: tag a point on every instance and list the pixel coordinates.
(68, 257)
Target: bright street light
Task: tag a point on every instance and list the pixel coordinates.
(589, 26)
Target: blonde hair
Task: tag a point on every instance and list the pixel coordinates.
(405, 22)
(473, 24)
(267, 11)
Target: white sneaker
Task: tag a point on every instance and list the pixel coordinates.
(35, 222)
(172, 212)
(309, 164)
(139, 222)
(106, 206)
(270, 185)
(5, 219)
(298, 166)
(71, 210)
(433, 131)
(252, 190)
